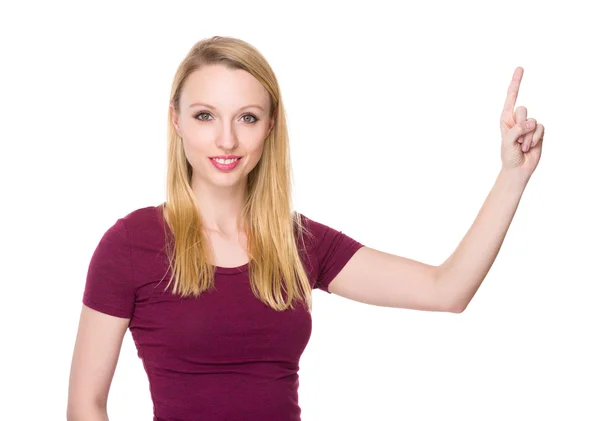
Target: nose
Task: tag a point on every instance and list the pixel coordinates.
(227, 137)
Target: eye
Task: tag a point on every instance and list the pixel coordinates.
(203, 113)
(250, 115)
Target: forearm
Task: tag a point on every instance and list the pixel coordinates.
(466, 268)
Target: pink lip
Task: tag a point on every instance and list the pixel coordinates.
(225, 156)
(225, 167)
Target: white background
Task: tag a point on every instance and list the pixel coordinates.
(393, 116)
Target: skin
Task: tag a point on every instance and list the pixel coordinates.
(227, 130)
(521, 152)
(230, 128)
(383, 279)
(370, 276)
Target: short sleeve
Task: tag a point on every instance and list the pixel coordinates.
(333, 250)
(109, 286)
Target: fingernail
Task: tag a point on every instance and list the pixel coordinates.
(530, 124)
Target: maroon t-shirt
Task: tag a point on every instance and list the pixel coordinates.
(224, 355)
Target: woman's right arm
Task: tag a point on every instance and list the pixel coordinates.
(95, 357)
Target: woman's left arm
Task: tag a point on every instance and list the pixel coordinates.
(463, 272)
(383, 279)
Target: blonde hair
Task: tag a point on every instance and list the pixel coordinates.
(276, 271)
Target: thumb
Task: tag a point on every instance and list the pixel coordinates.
(519, 130)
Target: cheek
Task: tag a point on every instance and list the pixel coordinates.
(257, 150)
(198, 138)
(189, 146)
(195, 148)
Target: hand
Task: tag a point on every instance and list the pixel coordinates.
(521, 145)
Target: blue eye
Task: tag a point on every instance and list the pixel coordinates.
(207, 113)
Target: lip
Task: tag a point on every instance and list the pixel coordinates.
(225, 156)
(225, 167)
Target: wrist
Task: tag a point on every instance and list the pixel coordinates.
(513, 179)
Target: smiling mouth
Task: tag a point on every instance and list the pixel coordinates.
(225, 165)
(226, 161)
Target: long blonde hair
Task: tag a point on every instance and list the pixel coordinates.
(276, 270)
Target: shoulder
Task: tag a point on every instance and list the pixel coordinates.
(322, 238)
(140, 226)
(143, 219)
(314, 229)
(330, 249)
(311, 230)
(143, 216)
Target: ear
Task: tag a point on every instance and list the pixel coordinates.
(175, 119)
(271, 124)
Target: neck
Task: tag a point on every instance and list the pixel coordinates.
(221, 207)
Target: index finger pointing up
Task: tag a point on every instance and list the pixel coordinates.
(511, 96)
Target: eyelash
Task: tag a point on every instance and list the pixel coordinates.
(206, 112)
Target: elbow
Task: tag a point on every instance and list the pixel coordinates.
(84, 404)
(453, 305)
(451, 308)
(450, 301)
(456, 306)
(457, 309)
(86, 413)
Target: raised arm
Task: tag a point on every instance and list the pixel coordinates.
(97, 349)
(383, 279)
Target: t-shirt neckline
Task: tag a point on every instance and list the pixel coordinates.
(218, 269)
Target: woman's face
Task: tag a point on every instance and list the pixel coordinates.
(223, 112)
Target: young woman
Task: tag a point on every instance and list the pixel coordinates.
(215, 284)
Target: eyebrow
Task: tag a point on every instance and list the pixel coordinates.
(213, 108)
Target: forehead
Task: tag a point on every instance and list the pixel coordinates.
(223, 87)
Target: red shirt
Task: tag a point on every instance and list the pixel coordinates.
(224, 355)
